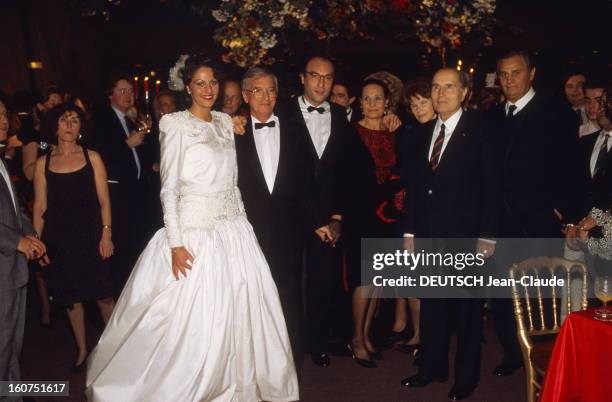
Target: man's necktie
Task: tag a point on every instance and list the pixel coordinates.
(511, 110)
(130, 125)
(603, 153)
(262, 125)
(320, 109)
(434, 161)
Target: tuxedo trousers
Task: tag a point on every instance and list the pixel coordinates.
(323, 283)
(438, 319)
(12, 317)
(283, 251)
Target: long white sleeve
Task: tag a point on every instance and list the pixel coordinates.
(171, 161)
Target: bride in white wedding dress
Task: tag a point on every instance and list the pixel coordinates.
(199, 318)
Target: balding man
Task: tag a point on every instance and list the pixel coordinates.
(453, 187)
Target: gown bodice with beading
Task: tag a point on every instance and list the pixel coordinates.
(198, 172)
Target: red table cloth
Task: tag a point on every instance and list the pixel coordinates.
(581, 361)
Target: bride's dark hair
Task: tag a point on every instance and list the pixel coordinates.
(197, 61)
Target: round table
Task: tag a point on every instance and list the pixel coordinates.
(581, 362)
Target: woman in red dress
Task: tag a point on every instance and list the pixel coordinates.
(377, 211)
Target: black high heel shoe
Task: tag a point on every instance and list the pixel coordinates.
(376, 355)
(408, 349)
(79, 368)
(400, 336)
(362, 362)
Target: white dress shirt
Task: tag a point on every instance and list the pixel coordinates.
(319, 124)
(349, 113)
(7, 179)
(267, 143)
(588, 128)
(598, 145)
(121, 117)
(581, 112)
(450, 124)
(521, 103)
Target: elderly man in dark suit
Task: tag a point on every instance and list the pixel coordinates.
(277, 185)
(454, 188)
(18, 243)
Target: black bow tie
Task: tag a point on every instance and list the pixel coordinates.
(262, 125)
(311, 109)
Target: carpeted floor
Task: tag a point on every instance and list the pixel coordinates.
(49, 353)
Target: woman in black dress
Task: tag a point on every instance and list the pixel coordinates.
(72, 213)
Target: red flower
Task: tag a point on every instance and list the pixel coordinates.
(399, 4)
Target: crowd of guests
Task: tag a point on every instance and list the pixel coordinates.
(443, 162)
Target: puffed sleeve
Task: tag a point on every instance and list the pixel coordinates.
(171, 161)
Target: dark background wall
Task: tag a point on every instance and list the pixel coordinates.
(78, 52)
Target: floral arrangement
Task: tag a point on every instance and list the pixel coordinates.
(250, 27)
(249, 30)
(444, 23)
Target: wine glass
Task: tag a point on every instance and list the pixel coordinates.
(145, 123)
(603, 291)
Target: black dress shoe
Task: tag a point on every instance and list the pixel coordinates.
(362, 362)
(320, 359)
(420, 381)
(459, 393)
(506, 369)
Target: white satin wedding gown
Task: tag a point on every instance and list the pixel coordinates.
(219, 334)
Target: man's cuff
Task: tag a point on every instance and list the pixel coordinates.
(487, 240)
(408, 235)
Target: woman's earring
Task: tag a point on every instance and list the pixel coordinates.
(80, 136)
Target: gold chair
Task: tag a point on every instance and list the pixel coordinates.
(537, 312)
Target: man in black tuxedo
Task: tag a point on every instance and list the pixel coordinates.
(343, 94)
(595, 158)
(535, 142)
(327, 131)
(277, 186)
(120, 145)
(453, 186)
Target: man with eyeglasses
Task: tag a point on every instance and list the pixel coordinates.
(326, 130)
(120, 144)
(276, 181)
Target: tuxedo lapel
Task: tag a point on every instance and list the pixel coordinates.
(283, 152)
(332, 133)
(253, 157)
(301, 122)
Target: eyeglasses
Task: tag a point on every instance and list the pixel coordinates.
(125, 91)
(316, 76)
(258, 93)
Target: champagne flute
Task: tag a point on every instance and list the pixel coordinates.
(603, 291)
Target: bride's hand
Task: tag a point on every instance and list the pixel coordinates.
(181, 261)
